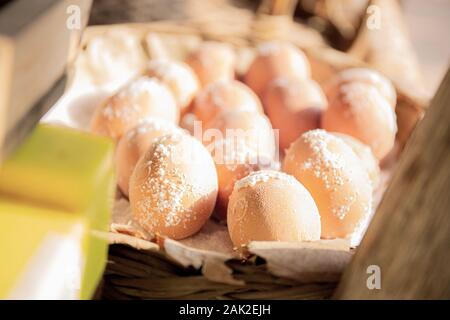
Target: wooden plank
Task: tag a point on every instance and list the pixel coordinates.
(35, 45)
(409, 237)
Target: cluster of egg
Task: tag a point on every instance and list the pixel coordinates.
(331, 140)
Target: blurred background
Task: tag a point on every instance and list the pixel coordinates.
(428, 22)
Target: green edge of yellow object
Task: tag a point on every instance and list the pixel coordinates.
(64, 173)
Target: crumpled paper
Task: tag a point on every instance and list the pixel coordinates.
(211, 248)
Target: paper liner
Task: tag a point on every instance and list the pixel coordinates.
(321, 261)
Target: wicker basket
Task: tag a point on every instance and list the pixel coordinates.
(139, 269)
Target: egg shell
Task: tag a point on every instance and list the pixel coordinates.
(369, 76)
(271, 206)
(365, 155)
(222, 96)
(273, 60)
(233, 162)
(173, 188)
(336, 179)
(294, 106)
(213, 61)
(142, 99)
(180, 79)
(359, 110)
(133, 145)
(253, 128)
(188, 122)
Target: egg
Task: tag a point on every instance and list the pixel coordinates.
(273, 60)
(142, 99)
(369, 76)
(188, 122)
(213, 61)
(180, 79)
(271, 206)
(294, 106)
(365, 155)
(359, 110)
(173, 188)
(336, 179)
(222, 96)
(253, 128)
(133, 145)
(234, 161)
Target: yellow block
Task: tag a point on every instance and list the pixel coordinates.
(43, 252)
(58, 167)
(64, 174)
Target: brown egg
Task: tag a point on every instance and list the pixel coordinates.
(336, 179)
(180, 79)
(213, 61)
(233, 162)
(271, 206)
(188, 122)
(253, 128)
(133, 145)
(142, 99)
(222, 96)
(294, 106)
(173, 188)
(274, 60)
(372, 77)
(359, 110)
(365, 155)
